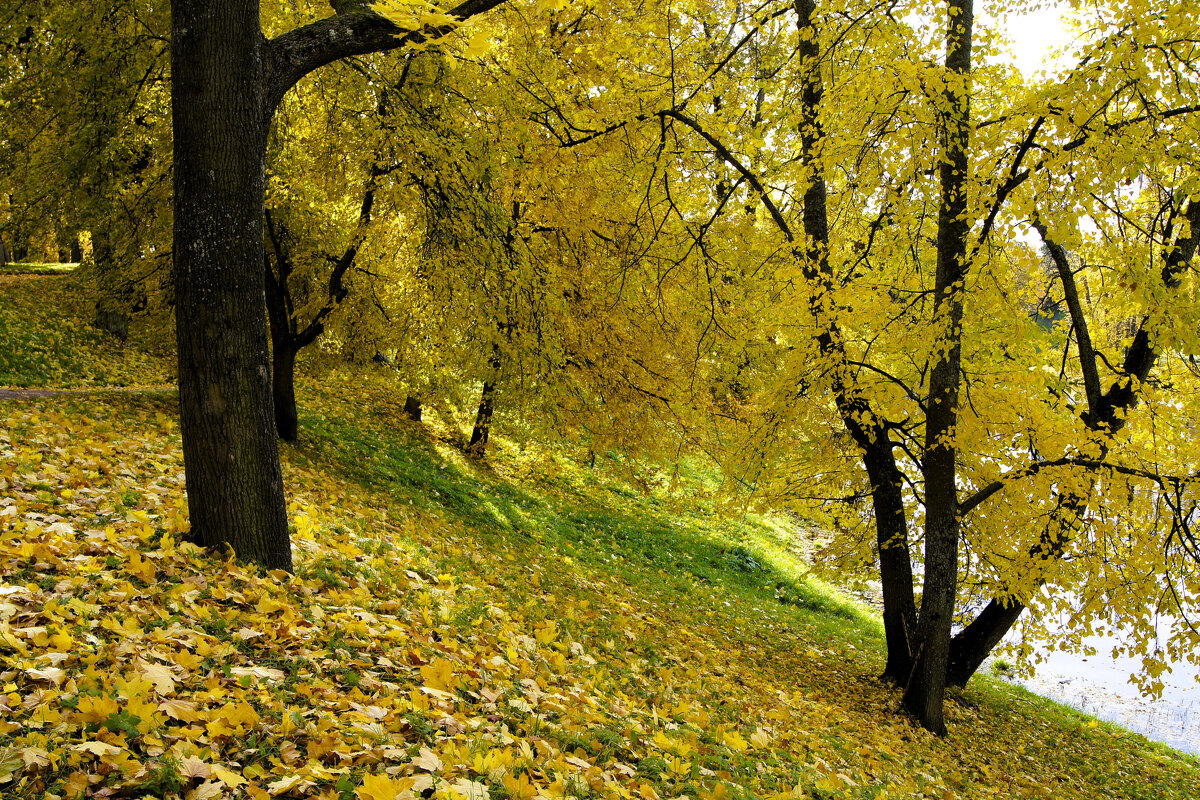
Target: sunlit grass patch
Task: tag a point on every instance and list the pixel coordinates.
(36, 268)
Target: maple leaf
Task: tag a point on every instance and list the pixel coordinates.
(97, 748)
(289, 783)
(427, 760)
(262, 673)
(439, 674)
(181, 710)
(227, 777)
(519, 787)
(158, 674)
(381, 787)
(52, 674)
(194, 767)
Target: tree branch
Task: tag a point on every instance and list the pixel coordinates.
(729, 158)
(977, 499)
(292, 55)
(1083, 337)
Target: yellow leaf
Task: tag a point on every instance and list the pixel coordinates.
(286, 784)
(97, 748)
(439, 674)
(427, 760)
(193, 767)
(268, 605)
(478, 45)
(227, 777)
(160, 675)
(179, 709)
(381, 787)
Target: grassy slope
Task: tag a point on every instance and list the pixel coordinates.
(46, 339)
(524, 629)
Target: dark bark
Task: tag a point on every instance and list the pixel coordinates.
(287, 337)
(895, 564)
(412, 408)
(867, 430)
(973, 643)
(283, 391)
(483, 421)
(234, 481)
(355, 32)
(925, 694)
(284, 340)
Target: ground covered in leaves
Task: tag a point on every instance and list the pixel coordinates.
(524, 630)
(47, 340)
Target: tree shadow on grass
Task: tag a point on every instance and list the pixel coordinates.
(619, 532)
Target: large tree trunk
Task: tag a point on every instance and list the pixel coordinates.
(926, 689)
(234, 482)
(895, 564)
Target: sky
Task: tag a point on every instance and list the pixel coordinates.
(1034, 35)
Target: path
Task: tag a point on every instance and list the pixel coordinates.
(31, 394)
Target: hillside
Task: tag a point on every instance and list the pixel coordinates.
(525, 628)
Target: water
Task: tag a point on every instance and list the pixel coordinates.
(1099, 685)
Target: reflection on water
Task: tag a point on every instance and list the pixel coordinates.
(1099, 685)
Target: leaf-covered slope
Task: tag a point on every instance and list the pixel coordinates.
(46, 339)
(417, 654)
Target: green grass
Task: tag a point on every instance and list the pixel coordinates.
(47, 340)
(36, 268)
(644, 539)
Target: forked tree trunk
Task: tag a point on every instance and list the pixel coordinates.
(234, 482)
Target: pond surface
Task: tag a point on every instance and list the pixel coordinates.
(1099, 685)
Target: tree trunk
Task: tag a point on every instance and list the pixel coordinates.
(895, 563)
(283, 391)
(925, 694)
(895, 566)
(483, 421)
(973, 643)
(234, 482)
(112, 301)
(412, 408)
